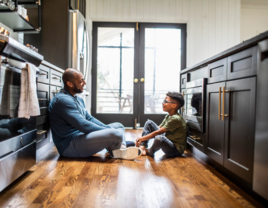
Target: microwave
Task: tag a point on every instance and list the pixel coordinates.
(194, 110)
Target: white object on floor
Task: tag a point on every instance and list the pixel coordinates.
(28, 105)
(129, 153)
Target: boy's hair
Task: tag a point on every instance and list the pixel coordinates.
(176, 96)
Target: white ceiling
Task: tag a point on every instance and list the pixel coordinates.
(254, 4)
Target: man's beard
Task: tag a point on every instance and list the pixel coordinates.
(76, 90)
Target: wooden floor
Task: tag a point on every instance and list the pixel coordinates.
(100, 181)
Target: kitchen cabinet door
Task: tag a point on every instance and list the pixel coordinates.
(217, 71)
(240, 127)
(242, 64)
(214, 145)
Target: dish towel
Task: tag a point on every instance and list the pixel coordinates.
(28, 105)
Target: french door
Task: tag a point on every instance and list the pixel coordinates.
(133, 67)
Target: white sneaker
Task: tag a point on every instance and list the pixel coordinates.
(129, 153)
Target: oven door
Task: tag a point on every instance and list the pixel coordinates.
(193, 110)
(10, 125)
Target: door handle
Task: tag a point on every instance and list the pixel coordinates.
(136, 80)
(223, 100)
(219, 112)
(142, 79)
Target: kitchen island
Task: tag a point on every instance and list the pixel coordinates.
(236, 120)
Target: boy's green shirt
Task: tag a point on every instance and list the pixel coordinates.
(176, 130)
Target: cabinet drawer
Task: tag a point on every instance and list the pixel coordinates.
(242, 64)
(42, 129)
(217, 71)
(56, 78)
(41, 119)
(43, 96)
(44, 74)
(53, 91)
(183, 81)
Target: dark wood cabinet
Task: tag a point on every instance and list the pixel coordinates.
(230, 138)
(217, 71)
(242, 64)
(56, 78)
(48, 84)
(240, 127)
(214, 147)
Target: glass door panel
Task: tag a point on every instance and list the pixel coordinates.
(115, 70)
(162, 63)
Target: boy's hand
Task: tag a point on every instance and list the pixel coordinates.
(138, 141)
(137, 144)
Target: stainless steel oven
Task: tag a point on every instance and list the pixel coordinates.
(194, 107)
(17, 135)
(194, 111)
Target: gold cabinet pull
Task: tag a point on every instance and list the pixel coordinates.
(142, 79)
(223, 100)
(136, 80)
(219, 116)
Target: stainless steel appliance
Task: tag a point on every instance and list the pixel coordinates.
(64, 38)
(194, 111)
(194, 107)
(17, 135)
(78, 42)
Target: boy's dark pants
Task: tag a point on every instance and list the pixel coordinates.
(160, 141)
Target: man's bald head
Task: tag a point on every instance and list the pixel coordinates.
(69, 75)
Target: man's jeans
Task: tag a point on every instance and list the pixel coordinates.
(86, 145)
(160, 141)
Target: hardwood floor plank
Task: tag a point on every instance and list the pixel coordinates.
(100, 181)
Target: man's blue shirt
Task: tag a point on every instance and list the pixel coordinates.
(69, 118)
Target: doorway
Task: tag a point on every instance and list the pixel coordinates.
(134, 65)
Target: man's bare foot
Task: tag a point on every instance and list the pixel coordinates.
(143, 150)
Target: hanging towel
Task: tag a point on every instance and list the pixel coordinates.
(28, 105)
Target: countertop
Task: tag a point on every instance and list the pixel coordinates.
(52, 66)
(245, 44)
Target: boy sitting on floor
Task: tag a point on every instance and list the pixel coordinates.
(171, 135)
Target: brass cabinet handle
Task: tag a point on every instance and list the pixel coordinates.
(136, 80)
(219, 116)
(142, 79)
(223, 100)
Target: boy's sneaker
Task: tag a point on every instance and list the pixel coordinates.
(128, 154)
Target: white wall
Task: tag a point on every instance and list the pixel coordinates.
(212, 25)
(254, 19)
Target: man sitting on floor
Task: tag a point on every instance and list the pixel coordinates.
(171, 135)
(78, 134)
